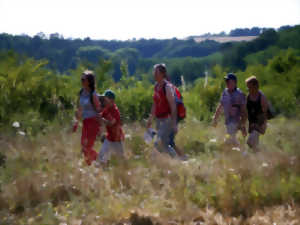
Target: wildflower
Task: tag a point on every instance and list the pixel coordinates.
(22, 133)
(16, 124)
(236, 149)
(213, 140)
(128, 136)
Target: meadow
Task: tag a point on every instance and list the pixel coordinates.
(46, 181)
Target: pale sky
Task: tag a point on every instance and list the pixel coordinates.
(127, 19)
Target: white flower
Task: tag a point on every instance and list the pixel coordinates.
(22, 133)
(214, 140)
(236, 149)
(16, 124)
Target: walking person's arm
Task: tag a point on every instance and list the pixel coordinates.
(217, 114)
(78, 115)
(264, 106)
(244, 117)
(151, 116)
(108, 122)
(96, 103)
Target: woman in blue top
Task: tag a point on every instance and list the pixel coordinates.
(88, 109)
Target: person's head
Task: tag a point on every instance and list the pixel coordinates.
(88, 80)
(160, 72)
(109, 97)
(252, 84)
(231, 81)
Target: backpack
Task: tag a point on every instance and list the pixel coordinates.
(181, 110)
(270, 112)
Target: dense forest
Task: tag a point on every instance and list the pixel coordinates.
(185, 57)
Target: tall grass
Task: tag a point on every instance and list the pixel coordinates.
(45, 181)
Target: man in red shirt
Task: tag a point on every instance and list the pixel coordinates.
(164, 111)
(110, 116)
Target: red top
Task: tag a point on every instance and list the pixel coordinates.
(114, 132)
(162, 108)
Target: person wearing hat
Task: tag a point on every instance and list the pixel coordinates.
(88, 109)
(110, 117)
(233, 103)
(257, 107)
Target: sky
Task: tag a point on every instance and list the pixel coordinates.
(128, 19)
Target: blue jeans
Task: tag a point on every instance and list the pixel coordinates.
(164, 136)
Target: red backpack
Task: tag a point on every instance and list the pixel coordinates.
(181, 110)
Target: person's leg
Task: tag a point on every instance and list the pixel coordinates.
(158, 143)
(163, 137)
(84, 135)
(253, 140)
(117, 149)
(172, 139)
(84, 139)
(104, 153)
(174, 146)
(92, 132)
(232, 129)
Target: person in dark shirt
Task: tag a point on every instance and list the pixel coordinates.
(257, 106)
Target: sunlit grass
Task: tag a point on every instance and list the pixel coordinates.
(46, 181)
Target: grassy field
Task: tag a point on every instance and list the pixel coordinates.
(45, 180)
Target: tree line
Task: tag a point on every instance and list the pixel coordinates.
(186, 57)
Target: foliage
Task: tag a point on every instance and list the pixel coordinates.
(28, 87)
(183, 57)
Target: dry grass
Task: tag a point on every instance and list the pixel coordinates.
(46, 181)
(226, 39)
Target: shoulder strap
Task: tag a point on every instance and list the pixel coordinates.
(92, 98)
(80, 92)
(260, 99)
(164, 87)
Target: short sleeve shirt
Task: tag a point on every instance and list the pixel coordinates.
(114, 132)
(232, 104)
(88, 110)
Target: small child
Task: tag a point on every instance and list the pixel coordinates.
(110, 117)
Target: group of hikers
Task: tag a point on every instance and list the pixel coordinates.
(96, 110)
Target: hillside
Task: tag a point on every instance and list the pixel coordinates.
(226, 39)
(184, 57)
